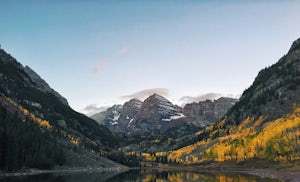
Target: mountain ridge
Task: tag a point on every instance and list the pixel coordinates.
(263, 125)
(31, 104)
(160, 109)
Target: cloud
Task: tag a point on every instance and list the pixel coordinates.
(143, 94)
(95, 69)
(93, 109)
(123, 50)
(208, 96)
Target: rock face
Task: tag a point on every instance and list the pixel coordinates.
(156, 111)
(222, 105)
(40, 84)
(157, 115)
(118, 117)
(129, 111)
(208, 112)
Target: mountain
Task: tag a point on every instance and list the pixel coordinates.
(157, 119)
(110, 117)
(207, 112)
(26, 97)
(155, 116)
(263, 125)
(118, 117)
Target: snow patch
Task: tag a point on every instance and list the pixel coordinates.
(178, 116)
(116, 117)
(114, 123)
(130, 121)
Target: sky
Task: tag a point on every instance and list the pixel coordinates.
(100, 53)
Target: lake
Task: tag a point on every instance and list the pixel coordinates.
(141, 175)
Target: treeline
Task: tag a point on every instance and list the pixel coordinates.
(23, 144)
(130, 160)
(277, 140)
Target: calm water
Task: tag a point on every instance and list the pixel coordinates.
(143, 176)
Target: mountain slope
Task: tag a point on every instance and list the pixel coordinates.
(263, 124)
(155, 116)
(23, 92)
(206, 113)
(34, 94)
(117, 118)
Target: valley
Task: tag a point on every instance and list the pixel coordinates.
(40, 130)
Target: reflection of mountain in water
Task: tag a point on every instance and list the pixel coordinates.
(174, 176)
(64, 177)
(141, 175)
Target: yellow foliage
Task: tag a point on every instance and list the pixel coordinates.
(277, 140)
(259, 121)
(244, 124)
(130, 153)
(148, 178)
(148, 157)
(73, 139)
(160, 154)
(176, 177)
(25, 112)
(39, 121)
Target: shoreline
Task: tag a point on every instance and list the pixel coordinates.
(31, 172)
(281, 174)
(290, 175)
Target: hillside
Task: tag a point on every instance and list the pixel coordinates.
(263, 124)
(32, 111)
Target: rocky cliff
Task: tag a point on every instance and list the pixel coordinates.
(207, 112)
(154, 116)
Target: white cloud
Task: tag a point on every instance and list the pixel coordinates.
(208, 96)
(93, 109)
(143, 94)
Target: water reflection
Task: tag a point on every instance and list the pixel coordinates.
(142, 176)
(181, 176)
(60, 177)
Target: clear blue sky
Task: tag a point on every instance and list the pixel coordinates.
(94, 52)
